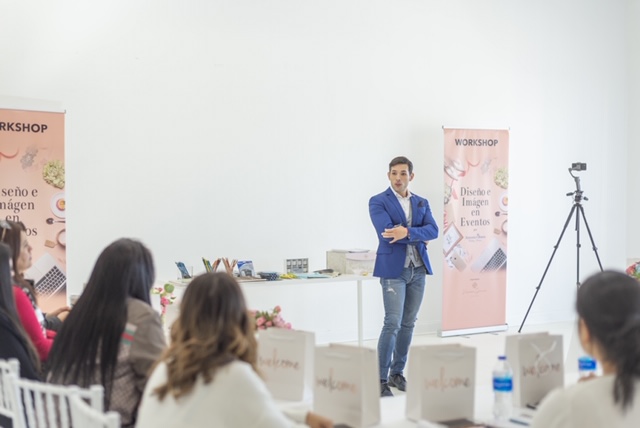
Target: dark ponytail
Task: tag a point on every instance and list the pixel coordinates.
(609, 304)
(627, 360)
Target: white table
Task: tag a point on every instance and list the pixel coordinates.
(284, 286)
(392, 413)
(358, 279)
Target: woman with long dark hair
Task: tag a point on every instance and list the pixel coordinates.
(35, 322)
(608, 306)
(16, 238)
(112, 336)
(208, 375)
(14, 342)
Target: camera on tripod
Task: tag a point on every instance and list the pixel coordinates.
(577, 209)
(578, 166)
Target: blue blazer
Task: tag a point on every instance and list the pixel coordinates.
(385, 212)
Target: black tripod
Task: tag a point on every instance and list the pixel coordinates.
(578, 210)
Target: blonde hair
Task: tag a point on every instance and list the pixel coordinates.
(213, 329)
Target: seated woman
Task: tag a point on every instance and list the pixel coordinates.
(608, 306)
(112, 336)
(14, 340)
(34, 321)
(208, 377)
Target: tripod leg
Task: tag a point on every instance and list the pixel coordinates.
(593, 244)
(577, 204)
(555, 248)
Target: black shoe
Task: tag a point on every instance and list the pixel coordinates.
(398, 381)
(384, 390)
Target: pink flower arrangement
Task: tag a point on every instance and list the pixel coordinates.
(166, 298)
(267, 319)
(634, 270)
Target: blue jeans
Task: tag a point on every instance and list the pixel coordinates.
(402, 298)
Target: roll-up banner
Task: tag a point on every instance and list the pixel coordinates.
(476, 208)
(32, 184)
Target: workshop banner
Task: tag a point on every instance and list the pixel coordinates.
(476, 204)
(32, 183)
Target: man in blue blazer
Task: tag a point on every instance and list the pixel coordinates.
(404, 223)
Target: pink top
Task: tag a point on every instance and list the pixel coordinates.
(31, 324)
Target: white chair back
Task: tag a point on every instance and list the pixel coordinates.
(44, 405)
(85, 416)
(8, 369)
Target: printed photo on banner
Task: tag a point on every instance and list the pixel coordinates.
(476, 208)
(32, 192)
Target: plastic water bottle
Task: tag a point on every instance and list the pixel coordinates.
(502, 389)
(586, 366)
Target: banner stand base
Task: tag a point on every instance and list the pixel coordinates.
(475, 330)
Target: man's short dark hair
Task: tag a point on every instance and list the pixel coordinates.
(401, 160)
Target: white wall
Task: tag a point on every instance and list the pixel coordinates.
(633, 158)
(259, 129)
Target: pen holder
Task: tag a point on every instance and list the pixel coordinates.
(229, 265)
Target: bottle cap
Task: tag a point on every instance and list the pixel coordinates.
(586, 363)
(502, 357)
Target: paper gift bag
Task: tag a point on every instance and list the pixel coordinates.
(346, 387)
(441, 382)
(538, 366)
(285, 359)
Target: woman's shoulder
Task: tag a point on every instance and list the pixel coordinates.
(18, 291)
(239, 373)
(157, 376)
(563, 407)
(236, 376)
(28, 292)
(554, 410)
(584, 392)
(230, 372)
(21, 298)
(237, 367)
(132, 302)
(137, 309)
(597, 388)
(144, 323)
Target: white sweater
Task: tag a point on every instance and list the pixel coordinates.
(587, 404)
(236, 397)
